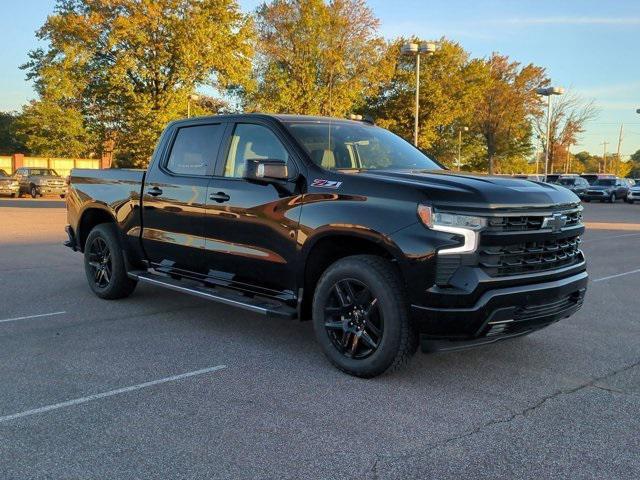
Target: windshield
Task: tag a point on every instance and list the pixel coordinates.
(605, 182)
(41, 172)
(341, 145)
(3, 173)
(567, 181)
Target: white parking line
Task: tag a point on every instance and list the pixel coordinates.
(616, 276)
(32, 316)
(110, 393)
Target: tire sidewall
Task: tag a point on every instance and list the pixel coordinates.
(108, 234)
(391, 308)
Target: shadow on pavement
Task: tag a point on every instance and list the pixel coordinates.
(32, 203)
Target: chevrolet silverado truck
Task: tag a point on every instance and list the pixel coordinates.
(335, 221)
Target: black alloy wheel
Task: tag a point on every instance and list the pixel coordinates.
(100, 262)
(353, 321)
(360, 316)
(104, 263)
(34, 192)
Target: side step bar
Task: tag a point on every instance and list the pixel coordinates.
(227, 297)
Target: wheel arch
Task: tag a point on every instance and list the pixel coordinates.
(90, 217)
(329, 246)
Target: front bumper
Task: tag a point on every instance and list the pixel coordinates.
(51, 190)
(6, 190)
(499, 314)
(595, 195)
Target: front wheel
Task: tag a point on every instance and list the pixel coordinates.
(612, 198)
(360, 317)
(33, 191)
(104, 264)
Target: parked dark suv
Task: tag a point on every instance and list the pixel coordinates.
(576, 184)
(40, 181)
(607, 190)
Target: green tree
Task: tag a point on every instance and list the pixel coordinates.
(316, 57)
(449, 87)
(48, 128)
(508, 102)
(128, 65)
(9, 141)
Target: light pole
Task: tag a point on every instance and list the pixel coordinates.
(191, 97)
(547, 92)
(460, 130)
(412, 48)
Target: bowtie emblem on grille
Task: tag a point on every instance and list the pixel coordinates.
(555, 222)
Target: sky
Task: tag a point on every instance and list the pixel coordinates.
(587, 46)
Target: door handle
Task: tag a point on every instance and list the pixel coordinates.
(219, 197)
(155, 191)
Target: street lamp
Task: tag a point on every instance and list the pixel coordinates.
(547, 92)
(462, 129)
(412, 48)
(191, 97)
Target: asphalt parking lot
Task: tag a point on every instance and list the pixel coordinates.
(163, 385)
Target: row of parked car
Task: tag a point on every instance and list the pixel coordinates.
(32, 181)
(595, 186)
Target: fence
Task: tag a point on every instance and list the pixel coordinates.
(61, 165)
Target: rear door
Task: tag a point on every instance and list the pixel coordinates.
(251, 228)
(175, 196)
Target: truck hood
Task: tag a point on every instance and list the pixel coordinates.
(475, 191)
(601, 187)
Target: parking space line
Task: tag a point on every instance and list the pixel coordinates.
(110, 393)
(14, 319)
(616, 276)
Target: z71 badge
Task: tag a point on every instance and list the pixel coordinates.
(319, 182)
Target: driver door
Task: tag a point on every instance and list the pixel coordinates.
(251, 227)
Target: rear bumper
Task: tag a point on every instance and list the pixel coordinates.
(500, 314)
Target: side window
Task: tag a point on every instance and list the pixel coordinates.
(252, 142)
(194, 149)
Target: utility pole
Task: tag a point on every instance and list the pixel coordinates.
(619, 143)
(567, 164)
(604, 156)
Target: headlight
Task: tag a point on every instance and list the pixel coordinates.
(467, 226)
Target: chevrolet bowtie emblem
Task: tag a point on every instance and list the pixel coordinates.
(555, 222)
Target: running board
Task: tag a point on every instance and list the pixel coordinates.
(265, 307)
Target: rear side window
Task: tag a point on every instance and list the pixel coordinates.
(194, 149)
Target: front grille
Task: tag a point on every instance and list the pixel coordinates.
(527, 257)
(529, 222)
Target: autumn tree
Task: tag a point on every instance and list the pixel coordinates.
(569, 116)
(449, 88)
(129, 65)
(508, 102)
(316, 57)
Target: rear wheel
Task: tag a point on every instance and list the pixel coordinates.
(360, 317)
(104, 264)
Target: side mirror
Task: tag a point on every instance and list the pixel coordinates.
(266, 170)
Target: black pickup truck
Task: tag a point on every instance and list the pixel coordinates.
(336, 221)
